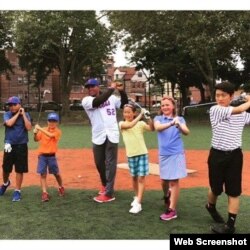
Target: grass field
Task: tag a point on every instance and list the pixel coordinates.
(79, 136)
(77, 216)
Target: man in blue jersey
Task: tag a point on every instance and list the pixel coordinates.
(17, 123)
(225, 159)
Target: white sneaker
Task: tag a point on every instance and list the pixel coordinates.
(135, 201)
(136, 209)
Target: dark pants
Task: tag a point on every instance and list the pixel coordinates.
(105, 156)
(225, 171)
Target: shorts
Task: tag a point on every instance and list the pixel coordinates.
(172, 167)
(46, 163)
(138, 165)
(225, 171)
(17, 157)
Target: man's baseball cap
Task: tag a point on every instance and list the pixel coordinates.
(92, 82)
(14, 100)
(53, 117)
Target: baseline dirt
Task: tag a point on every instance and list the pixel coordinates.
(78, 170)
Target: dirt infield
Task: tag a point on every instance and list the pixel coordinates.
(78, 170)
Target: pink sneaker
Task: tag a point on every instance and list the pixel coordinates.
(61, 191)
(169, 215)
(102, 190)
(45, 197)
(103, 198)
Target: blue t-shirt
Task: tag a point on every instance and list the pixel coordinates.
(17, 134)
(169, 140)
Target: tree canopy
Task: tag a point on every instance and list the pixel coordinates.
(185, 47)
(74, 42)
(5, 41)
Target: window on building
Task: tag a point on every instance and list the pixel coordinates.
(19, 80)
(25, 80)
(77, 89)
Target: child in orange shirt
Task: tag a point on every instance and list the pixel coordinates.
(48, 138)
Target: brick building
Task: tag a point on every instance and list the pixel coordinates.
(135, 82)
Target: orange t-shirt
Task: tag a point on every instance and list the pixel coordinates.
(48, 145)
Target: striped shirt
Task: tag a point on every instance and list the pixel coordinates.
(227, 128)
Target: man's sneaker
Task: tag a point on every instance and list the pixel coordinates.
(4, 187)
(102, 190)
(103, 198)
(61, 191)
(222, 229)
(134, 202)
(214, 214)
(136, 208)
(45, 197)
(169, 215)
(167, 199)
(16, 196)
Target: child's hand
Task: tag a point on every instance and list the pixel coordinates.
(176, 122)
(37, 127)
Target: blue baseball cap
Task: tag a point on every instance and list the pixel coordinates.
(14, 100)
(92, 82)
(53, 117)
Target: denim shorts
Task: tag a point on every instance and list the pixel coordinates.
(47, 164)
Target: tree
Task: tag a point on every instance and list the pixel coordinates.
(185, 47)
(73, 42)
(5, 41)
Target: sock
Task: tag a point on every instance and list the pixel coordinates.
(231, 219)
(6, 184)
(18, 190)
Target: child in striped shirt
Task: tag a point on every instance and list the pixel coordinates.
(225, 159)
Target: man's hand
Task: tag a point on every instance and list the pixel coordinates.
(7, 148)
(119, 86)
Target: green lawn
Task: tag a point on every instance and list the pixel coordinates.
(79, 136)
(77, 216)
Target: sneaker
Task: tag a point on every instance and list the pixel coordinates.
(222, 229)
(61, 191)
(136, 208)
(103, 198)
(167, 199)
(102, 190)
(169, 215)
(45, 197)
(134, 202)
(3, 188)
(214, 214)
(16, 196)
